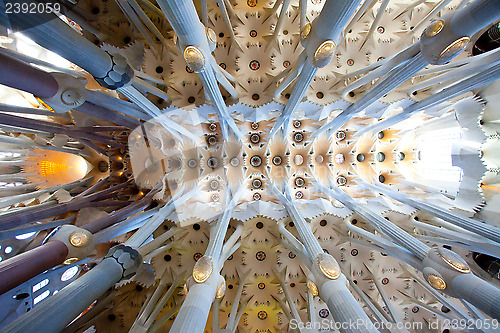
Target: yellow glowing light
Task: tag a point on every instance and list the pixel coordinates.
(70, 261)
(54, 168)
(313, 289)
(45, 105)
(434, 28)
(203, 269)
(436, 282)
(78, 239)
(324, 52)
(454, 260)
(194, 58)
(221, 290)
(454, 48)
(305, 31)
(328, 266)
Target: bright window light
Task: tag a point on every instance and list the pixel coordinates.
(435, 155)
(25, 236)
(69, 273)
(40, 285)
(41, 297)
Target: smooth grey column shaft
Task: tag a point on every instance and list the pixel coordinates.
(60, 309)
(108, 115)
(19, 75)
(22, 267)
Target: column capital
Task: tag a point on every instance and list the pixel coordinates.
(441, 266)
(439, 43)
(127, 257)
(119, 75)
(71, 93)
(80, 242)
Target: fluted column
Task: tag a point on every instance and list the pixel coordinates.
(395, 77)
(61, 246)
(469, 224)
(50, 32)
(440, 42)
(398, 235)
(120, 214)
(196, 42)
(141, 235)
(51, 86)
(344, 307)
(443, 269)
(319, 39)
(69, 242)
(47, 30)
(108, 115)
(307, 73)
(193, 315)
(329, 282)
(483, 295)
(307, 237)
(62, 308)
(475, 16)
(476, 81)
(206, 282)
(9, 221)
(446, 271)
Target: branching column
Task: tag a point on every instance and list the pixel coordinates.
(440, 42)
(330, 283)
(197, 43)
(121, 262)
(478, 80)
(443, 269)
(469, 224)
(52, 33)
(68, 243)
(319, 40)
(62, 92)
(208, 283)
